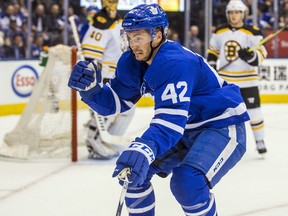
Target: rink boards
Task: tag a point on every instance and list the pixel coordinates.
(18, 78)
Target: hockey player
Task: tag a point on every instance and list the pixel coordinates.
(101, 43)
(230, 43)
(198, 130)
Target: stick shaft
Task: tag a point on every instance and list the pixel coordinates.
(122, 198)
(269, 37)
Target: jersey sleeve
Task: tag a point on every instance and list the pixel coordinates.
(122, 92)
(172, 91)
(213, 51)
(254, 40)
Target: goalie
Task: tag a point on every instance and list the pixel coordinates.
(100, 40)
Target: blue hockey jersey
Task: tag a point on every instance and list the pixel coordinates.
(188, 94)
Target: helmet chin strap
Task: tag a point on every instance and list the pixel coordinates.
(154, 48)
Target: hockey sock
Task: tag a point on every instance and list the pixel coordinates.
(257, 123)
(190, 188)
(140, 201)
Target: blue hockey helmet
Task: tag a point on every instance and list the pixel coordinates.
(148, 17)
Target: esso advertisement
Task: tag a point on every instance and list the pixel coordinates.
(23, 80)
(18, 78)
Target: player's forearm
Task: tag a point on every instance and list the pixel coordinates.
(165, 131)
(105, 102)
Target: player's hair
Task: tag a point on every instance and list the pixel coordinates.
(148, 17)
(236, 5)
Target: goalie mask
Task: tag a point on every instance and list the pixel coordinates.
(110, 5)
(236, 5)
(151, 18)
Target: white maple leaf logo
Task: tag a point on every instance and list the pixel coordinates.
(153, 10)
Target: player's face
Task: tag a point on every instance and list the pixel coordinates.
(139, 42)
(235, 18)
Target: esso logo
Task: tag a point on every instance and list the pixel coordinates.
(23, 80)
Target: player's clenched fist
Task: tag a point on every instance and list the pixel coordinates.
(85, 76)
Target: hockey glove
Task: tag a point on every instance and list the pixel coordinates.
(85, 76)
(247, 56)
(139, 155)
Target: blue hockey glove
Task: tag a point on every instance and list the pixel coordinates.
(137, 158)
(85, 76)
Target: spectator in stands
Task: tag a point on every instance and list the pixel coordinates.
(13, 28)
(6, 17)
(173, 35)
(37, 46)
(39, 18)
(20, 12)
(15, 49)
(265, 19)
(55, 25)
(195, 43)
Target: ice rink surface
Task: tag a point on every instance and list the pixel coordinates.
(255, 187)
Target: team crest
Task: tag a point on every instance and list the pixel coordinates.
(231, 49)
(153, 10)
(101, 19)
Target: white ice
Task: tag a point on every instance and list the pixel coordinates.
(255, 187)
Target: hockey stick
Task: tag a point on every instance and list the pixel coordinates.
(263, 41)
(100, 120)
(125, 172)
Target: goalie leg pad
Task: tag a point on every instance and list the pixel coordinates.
(191, 190)
(120, 123)
(96, 147)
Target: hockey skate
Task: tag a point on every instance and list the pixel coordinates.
(261, 148)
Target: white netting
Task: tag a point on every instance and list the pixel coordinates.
(44, 128)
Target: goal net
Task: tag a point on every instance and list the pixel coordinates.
(47, 127)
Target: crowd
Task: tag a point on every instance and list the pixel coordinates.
(48, 23)
(47, 26)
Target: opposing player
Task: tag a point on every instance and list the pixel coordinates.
(198, 130)
(230, 43)
(101, 43)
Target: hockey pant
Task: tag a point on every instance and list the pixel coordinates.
(197, 163)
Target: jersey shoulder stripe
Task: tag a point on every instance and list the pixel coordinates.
(252, 30)
(222, 28)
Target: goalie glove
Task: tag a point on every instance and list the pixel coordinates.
(248, 56)
(85, 75)
(137, 158)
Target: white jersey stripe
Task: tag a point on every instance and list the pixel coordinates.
(117, 100)
(168, 125)
(172, 112)
(239, 110)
